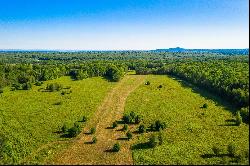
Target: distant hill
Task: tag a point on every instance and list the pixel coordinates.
(220, 51)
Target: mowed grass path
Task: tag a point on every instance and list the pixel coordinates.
(112, 108)
(29, 119)
(192, 131)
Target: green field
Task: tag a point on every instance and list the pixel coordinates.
(30, 119)
(192, 131)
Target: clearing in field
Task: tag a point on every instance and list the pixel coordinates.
(84, 151)
(192, 131)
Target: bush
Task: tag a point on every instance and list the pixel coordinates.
(152, 141)
(160, 125)
(160, 86)
(238, 118)
(84, 119)
(92, 130)
(38, 83)
(116, 147)
(244, 112)
(94, 140)
(114, 125)
(75, 130)
(26, 86)
(205, 105)
(1, 91)
(160, 138)
(231, 149)
(129, 135)
(147, 83)
(64, 128)
(125, 127)
(142, 129)
(216, 150)
(54, 87)
(127, 119)
(138, 119)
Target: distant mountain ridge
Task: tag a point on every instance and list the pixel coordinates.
(221, 51)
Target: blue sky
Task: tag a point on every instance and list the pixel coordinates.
(123, 24)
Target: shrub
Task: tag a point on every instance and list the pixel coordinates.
(64, 128)
(75, 130)
(138, 119)
(84, 119)
(244, 112)
(160, 138)
(1, 91)
(231, 149)
(205, 105)
(132, 115)
(94, 140)
(129, 135)
(54, 87)
(125, 127)
(26, 86)
(216, 150)
(152, 141)
(142, 129)
(238, 118)
(116, 147)
(38, 83)
(114, 125)
(127, 119)
(160, 125)
(147, 83)
(152, 127)
(92, 130)
(160, 86)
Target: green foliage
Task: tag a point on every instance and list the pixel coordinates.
(116, 147)
(54, 87)
(94, 140)
(125, 127)
(38, 83)
(114, 125)
(75, 130)
(244, 112)
(84, 119)
(129, 135)
(158, 125)
(131, 118)
(1, 91)
(147, 83)
(153, 141)
(138, 119)
(142, 128)
(205, 105)
(231, 149)
(238, 118)
(65, 128)
(160, 138)
(216, 150)
(92, 130)
(160, 86)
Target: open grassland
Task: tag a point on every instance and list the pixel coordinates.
(192, 131)
(30, 119)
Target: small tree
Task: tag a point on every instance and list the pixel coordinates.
(216, 150)
(142, 128)
(231, 149)
(129, 135)
(238, 118)
(114, 125)
(147, 83)
(64, 128)
(92, 130)
(138, 119)
(205, 105)
(125, 127)
(127, 119)
(94, 140)
(84, 119)
(152, 141)
(116, 147)
(74, 131)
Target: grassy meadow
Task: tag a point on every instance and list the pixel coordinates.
(32, 118)
(192, 131)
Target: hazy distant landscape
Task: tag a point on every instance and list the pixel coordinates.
(124, 83)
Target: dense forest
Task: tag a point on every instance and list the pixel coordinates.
(224, 75)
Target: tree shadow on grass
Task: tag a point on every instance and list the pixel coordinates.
(144, 145)
(65, 136)
(109, 151)
(88, 142)
(230, 122)
(219, 100)
(109, 127)
(122, 138)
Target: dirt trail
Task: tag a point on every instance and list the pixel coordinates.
(112, 108)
